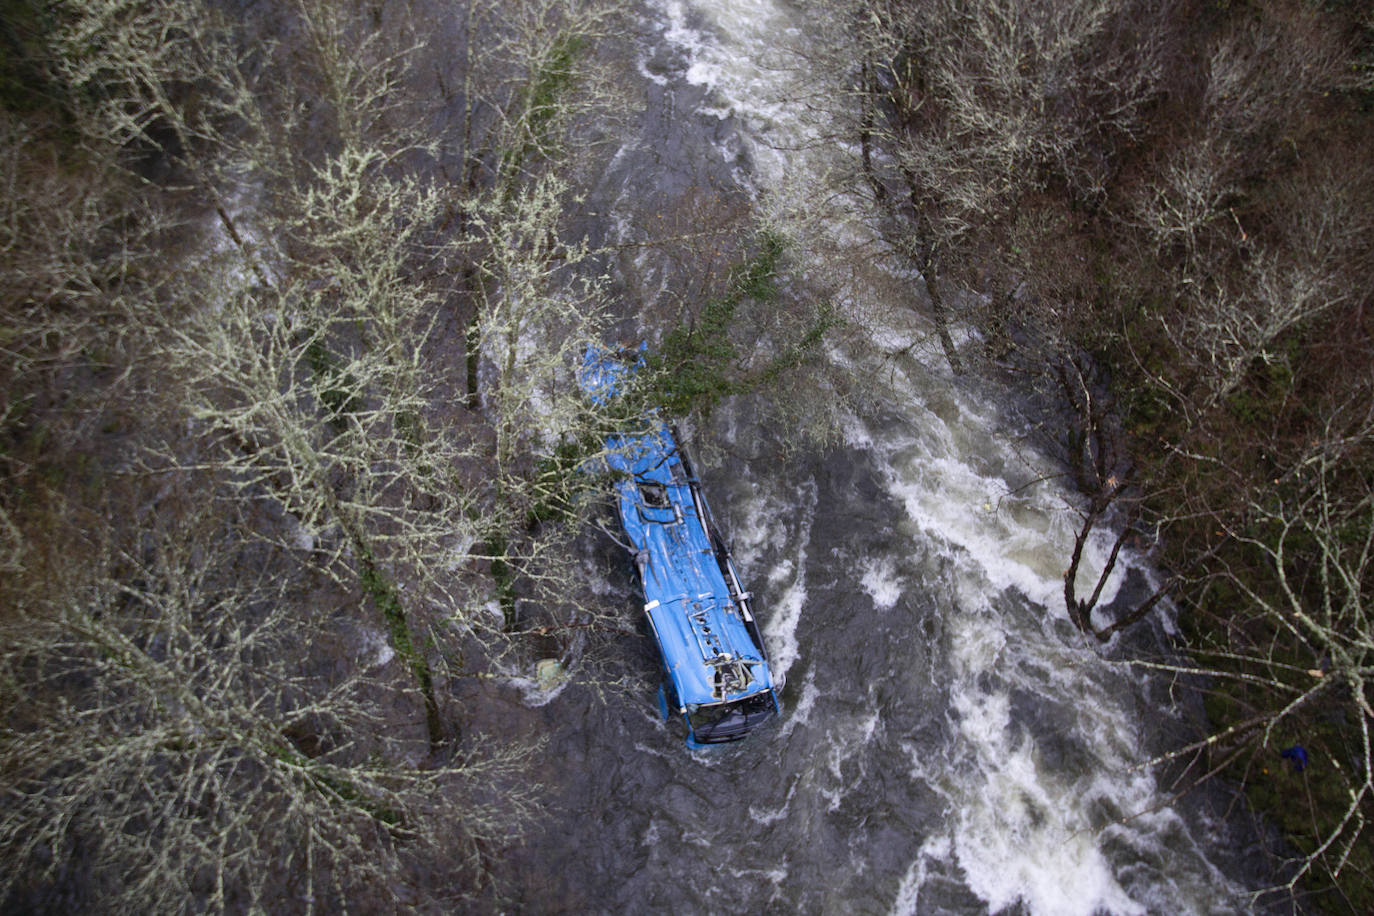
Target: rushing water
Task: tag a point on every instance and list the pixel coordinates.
(949, 744)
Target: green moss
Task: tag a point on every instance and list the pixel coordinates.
(379, 587)
(554, 76)
(553, 80)
(410, 428)
(561, 478)
(1308, 805)
(1305, 806)
(504, 578)
(329, 784)
(336, 387)
(1264, 392)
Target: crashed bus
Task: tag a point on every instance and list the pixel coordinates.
(716, 672)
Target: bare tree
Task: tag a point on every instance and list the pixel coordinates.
(984, 105)
(1249, 270)
(181, 735)
(1293, 648)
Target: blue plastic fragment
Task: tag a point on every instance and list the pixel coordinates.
(1297, 754)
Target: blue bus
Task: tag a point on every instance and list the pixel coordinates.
(717, 676)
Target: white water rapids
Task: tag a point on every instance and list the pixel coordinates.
(1034, 796)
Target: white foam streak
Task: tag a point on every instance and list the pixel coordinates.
(881, 582)
(747, 87)
(962, 484)
(1021, 833)
(908, 899)
(769, 523)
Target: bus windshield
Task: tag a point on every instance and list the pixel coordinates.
(730, 721)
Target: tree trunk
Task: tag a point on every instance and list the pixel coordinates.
(937, 309)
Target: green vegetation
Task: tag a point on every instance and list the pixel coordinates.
(554, 77)
(561, 479)
(337, 388)
(696, 365)
(699, 364)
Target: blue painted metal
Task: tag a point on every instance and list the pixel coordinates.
(663, 712)
(718, 678)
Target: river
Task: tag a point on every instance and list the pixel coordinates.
(949, 743)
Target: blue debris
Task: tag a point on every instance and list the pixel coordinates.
(1297, 754)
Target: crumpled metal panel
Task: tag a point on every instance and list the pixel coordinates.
(701, 621)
